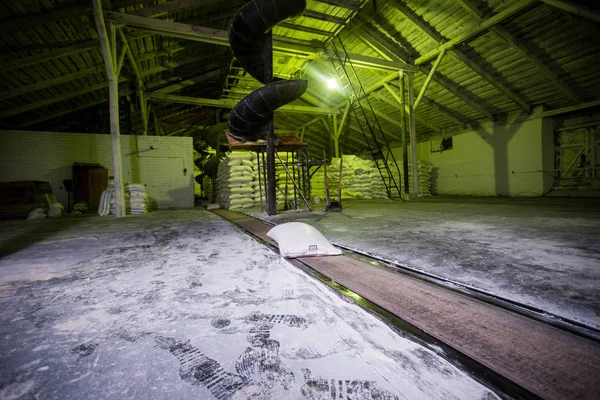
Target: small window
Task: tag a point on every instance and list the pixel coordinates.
(437, 146)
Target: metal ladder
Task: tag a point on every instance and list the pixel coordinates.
(376, 140)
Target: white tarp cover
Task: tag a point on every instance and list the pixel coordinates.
(296, 239)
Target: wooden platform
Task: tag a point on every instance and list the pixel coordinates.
(549, 362)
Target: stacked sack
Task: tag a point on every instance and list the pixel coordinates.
(236, 180)
(424, 169)
(284, 184)
(361, 179)
(136, 200)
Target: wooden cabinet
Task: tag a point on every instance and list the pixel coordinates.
(89, 181)
(20, 198)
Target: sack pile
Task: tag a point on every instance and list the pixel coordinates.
(361, 179)
(424, 169)
(237, 181)
(136, 200)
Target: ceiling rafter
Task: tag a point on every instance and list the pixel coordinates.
(226, 103)
(393, 50)
(45, 84)
(524, 50)
(484, 26)
(190, 82)
(31, 20)
(287, 46)
(353, 5)
(430, 31)
(55, 99)
(69, 110)
(323, 17)
(173, 6)
(49, 55)
(386, 99)
(577, 9)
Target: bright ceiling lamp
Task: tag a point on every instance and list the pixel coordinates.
(332, 83)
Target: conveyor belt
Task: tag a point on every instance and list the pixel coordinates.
(548, 362)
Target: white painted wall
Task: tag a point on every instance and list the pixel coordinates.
(49, 156)
(503, 160)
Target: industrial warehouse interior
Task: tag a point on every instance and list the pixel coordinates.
(300, 199)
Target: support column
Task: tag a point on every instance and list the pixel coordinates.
(404, 135)
(271, 189)
(338, 128)
(413, 137)
(110, 62)
(336, 143)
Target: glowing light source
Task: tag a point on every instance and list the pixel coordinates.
(332, 83)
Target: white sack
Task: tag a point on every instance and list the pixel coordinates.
(296, 239)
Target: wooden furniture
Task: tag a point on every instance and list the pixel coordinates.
(89, 181)
(21, 197)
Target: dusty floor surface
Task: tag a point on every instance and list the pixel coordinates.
(542, 252)
(181, 305)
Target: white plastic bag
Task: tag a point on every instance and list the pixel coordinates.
(38, 213)
(296, 239)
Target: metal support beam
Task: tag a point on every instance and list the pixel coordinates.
(113, 89)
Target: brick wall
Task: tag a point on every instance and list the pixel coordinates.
(156, 161)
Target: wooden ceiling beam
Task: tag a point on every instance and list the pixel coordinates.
(577, 9)
(70, 110)
(56, 99)
(484, 26)
(353, 5)
(385, 99)
(323, 17)
(430, 31)
(206, 35)
(67, 111)
(386, 45)
(306, 29)
(287, 46)
(225, 103)
(163, 9)
(458, 91)
(34, 87)
(189, 82)
(49, 55)
(31, 20)
(524, 50)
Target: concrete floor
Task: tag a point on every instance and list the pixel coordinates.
(542, 252)
(182, 305)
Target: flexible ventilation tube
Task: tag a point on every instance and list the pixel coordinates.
(251, 42)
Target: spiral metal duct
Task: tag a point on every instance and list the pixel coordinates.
(251, 42)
